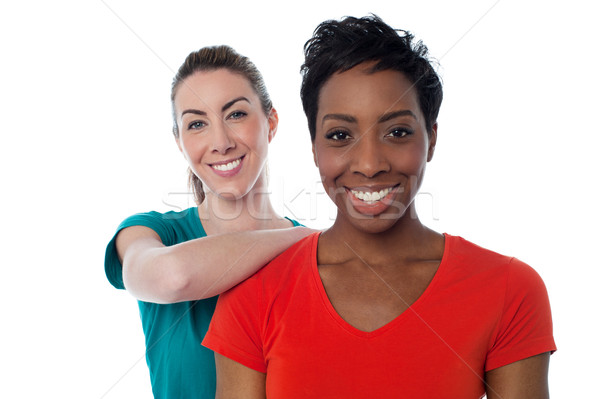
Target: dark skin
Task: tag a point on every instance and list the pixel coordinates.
(368, 302)
(527, 378)
(370, 294)
(371, 147)
(367, 285)
(377, 258)
(236, 381)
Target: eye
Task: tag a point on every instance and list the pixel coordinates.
(195, 125)
(399, 132)
(338, 135)
(237, 115)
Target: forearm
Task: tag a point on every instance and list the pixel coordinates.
(206, 266)
(216, 263)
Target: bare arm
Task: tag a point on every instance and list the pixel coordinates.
(237, 381)
(199, 268)
(524, 379)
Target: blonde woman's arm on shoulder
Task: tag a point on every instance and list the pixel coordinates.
(199, 268)
(524, 379)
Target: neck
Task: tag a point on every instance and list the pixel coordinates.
(252, 212)
(408, 238)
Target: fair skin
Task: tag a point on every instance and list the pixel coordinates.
(371, 148)
(224, 136)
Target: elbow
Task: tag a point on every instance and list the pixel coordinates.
(158, 279)
(176, 284)
(174, 280)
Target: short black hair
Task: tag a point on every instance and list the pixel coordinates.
(337, 46)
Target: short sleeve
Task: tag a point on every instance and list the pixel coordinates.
(525, 327)
(153, 220)
(235, 329)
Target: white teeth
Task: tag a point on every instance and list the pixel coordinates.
(369, 196)
(228, 166)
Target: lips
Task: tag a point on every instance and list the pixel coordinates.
(372, 201)
(228, 167)
(371, 196)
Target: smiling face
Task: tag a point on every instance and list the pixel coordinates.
(371, 146)
(223, 131)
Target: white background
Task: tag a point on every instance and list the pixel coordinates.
(86, 141)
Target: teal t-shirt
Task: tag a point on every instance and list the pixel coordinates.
(180, 367)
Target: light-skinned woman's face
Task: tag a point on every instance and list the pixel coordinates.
(223, 131)
(371, 146)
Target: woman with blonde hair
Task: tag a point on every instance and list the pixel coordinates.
(176, 263)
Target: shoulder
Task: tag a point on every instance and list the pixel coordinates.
(480, 268)
(512, 293)
(465, 257)
(518, 286)
(268, 291)
(172, 227)
(170, 218)
(301, 253)
(302, 249)
(282, 272)
(466, 254)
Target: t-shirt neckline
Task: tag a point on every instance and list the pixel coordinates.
(413, 308)
(199, 228)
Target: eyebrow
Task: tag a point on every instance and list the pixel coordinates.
(395, 114)
(383, 118)
(193, 111)
(235, 100)
(223, 108)
(339, 117)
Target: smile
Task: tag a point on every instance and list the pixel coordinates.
(224, 167)
(371, 196)
(371, 202)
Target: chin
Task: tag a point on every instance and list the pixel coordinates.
(374, 226)
(228, 196)
(231, 195)
(230, 192)
(376, 223)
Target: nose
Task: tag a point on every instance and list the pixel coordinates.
(222, 138)
(368, 157)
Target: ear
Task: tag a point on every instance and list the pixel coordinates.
(432, 142)
(314, 151)
(273, 123)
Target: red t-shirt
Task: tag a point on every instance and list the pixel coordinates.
(481, 311)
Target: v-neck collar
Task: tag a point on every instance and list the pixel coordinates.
(412, 309)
